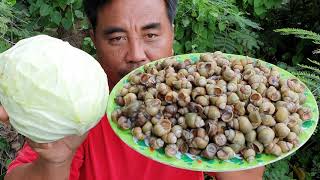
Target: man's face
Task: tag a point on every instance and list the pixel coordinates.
(130, 33)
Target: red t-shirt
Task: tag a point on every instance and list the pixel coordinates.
(104, 156)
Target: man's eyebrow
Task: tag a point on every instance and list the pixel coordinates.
(111, 30)
(151, 26)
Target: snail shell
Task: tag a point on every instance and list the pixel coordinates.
(232, 98)
(274, 149)
(273, 94)
(282, 114)
(156, 143)
(248, 154)
(182, 146)
(129, 98)
(266, 135)
(212, 112)
(257, 146)
(137, 132)
(210, 151)
(193, 120)
(162, 128)
(147, 127)
(255, 119)
(169, 138)
(305, 113)
(220, 139)
(177, 130)
(225, 153)
(268, 120)
(244, 124)
(285, 146)
(295, 85)
(124, 123)
(211, 128)
(153, 106)
(251, 136)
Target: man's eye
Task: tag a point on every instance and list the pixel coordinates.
(151, 36)
(117, 39)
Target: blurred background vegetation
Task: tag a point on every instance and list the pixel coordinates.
(282, 32)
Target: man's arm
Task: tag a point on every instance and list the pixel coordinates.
(251, 174)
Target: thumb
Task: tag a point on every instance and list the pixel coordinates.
(3, 115)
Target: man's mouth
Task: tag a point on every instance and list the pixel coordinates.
(130, 68)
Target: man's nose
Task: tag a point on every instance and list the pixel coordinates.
(136, 52)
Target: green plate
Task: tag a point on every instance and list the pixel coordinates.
(196, 163)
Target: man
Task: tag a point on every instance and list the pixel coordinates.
(126, 34)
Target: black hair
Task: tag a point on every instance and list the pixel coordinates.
(92, 7)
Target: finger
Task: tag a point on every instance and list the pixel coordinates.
(35, 145)
(3, 115)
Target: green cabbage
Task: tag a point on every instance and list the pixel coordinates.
(50, 89)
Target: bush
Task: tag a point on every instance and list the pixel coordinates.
(208, 25)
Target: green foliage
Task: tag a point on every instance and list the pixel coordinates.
(278, 170)
(4, 147)
(261, 7)
(285, 13)
(48, 15)
(300, 33)
(207, 25)
(12, 24)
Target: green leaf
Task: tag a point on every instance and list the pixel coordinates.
(8, 161)
(11, 2)
(179, 33)
(66, 23)
(188, 46)
(198, 27)
(297, 59)
(185, 22)
(56, 17)
(78, 14)
(258, 3)
(70, 2)
(178, 48)
(260, 11)
(62, 4)
(44, 10)
(222, 26)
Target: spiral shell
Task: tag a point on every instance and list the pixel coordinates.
(225, 153)
(285, 146)
(282, 114)
(156, 143)
(266, 135)
(137, 132)
(244, 124)
(169, 138)
(193, 120)
(248, 154)
(220, 139)
(162, 128)
(281, 130)
(268, 120)
(210, 151)
(305, 113)
(273, 94)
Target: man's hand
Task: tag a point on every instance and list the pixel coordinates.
(251, 174)
(54, 158)
(3, 115)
